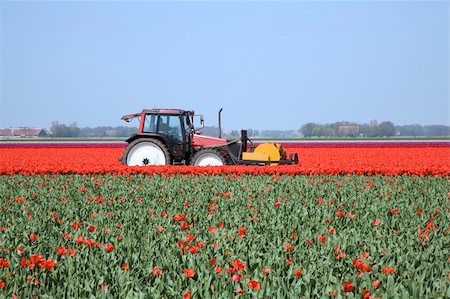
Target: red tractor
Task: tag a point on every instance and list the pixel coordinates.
(168, 137)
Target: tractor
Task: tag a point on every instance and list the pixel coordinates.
(168, 137)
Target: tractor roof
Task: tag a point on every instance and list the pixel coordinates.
(129, 117)
(164, 111)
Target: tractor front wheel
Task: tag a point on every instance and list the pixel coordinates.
(208, 157)
(146, 152)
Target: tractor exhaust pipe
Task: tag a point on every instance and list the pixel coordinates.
(244, 141)
(220, 123)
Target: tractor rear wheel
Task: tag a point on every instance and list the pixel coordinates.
(208, 157)
(146, 152)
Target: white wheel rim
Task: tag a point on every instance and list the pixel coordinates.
(208, 159)
(146, 153)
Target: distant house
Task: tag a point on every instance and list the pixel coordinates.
(23, 132)
(111, 133)
(349, 131)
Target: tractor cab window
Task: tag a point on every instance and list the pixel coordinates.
(170, 126)
(150, 123)
(187, 125)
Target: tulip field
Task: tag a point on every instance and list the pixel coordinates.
(420, 158)
(350, 221)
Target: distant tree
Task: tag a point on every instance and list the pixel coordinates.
(274, 134)
(317, 130)
(234, 134)
(374, 130)
(333, 129)
(411, 130)
(73, 130)
(120, 131)
(61, 130)
(307, 129)
(123, 131)
(210, 131)
(56, 129)
(437, 130)
(386, 128)
(323, 131)
(364, 129)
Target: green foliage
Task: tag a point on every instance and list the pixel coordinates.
(137, 215)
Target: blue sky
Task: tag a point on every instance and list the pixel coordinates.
(270, 65)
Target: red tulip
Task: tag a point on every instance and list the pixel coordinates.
(212, 229)
(254, 285)
(237, 265)
(340, 214)
(179, 218)
(33, 237)
(347, 286)
(90, 243)
(24, 263)
(236, 278)
(298, 272)
(187, 295)
(212, 261)
(61, 250)
(156, 271)
(366, 294)
(48, 264)
(37, 258)
(242, 231)
(388, 270)
(109, 247)
(189, 273)
(376, 284)
(288, 247)
(4, 263)
(361, 266)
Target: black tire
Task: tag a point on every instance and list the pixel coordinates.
(205, 153)
(150, 142)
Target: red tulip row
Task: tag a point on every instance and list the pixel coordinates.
(313, 160)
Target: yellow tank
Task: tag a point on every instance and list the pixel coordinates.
(266, 152)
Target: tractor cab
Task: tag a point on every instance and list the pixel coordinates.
(165, 132)
(167, 125)
(173, 131)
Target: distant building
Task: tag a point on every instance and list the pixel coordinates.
(23, 132)
(349, 131)
(111, 133)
